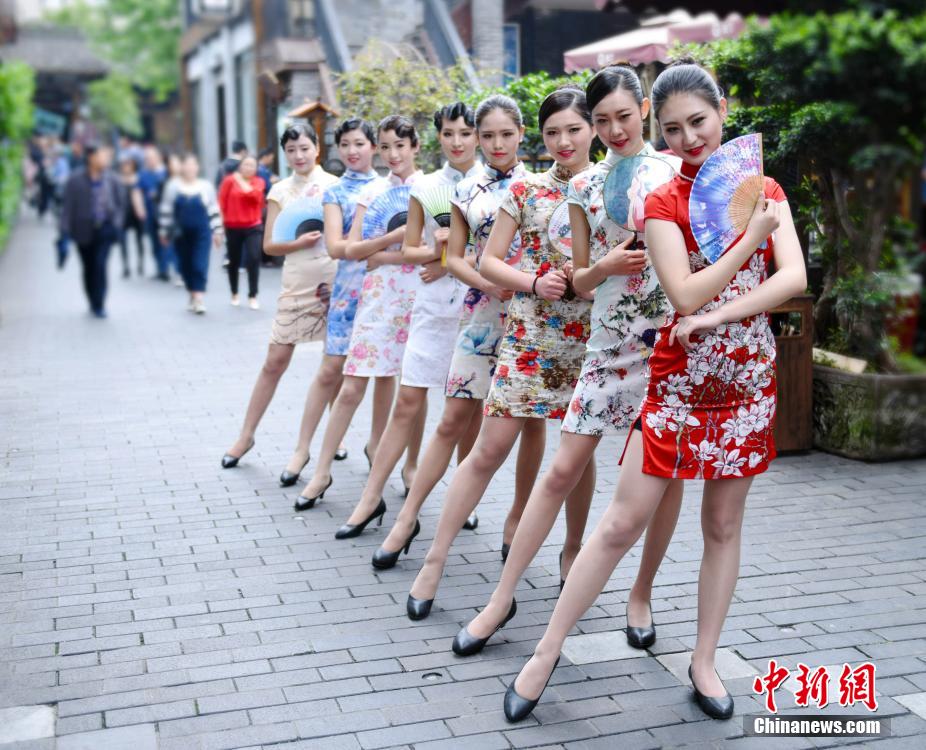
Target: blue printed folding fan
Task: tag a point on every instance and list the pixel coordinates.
(302, 215)
(724, 194)
(559, 229)
(627, 185)
(387, 212)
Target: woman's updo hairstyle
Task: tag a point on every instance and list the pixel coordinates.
(685, 76)
(295, 132)
(616, 77)
(401, 125)
(568, 96)
(499, 101)
(355, 123)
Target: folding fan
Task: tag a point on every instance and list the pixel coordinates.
(724, 194)
(302, 215)
(559, 230)
(436, 203)
(627, 185)
(387, 212)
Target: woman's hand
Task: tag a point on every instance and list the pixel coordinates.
(376, 260)
(309, 239)
(216, 239)
(688, 326)
(431, 272)
(441, 235)
(395, 237)
(622, 261)
(764, 220)
(551, 286)
(494, 290)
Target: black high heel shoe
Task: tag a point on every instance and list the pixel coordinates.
(518, 708)
(472, 522)
(641, 638)
(405, 484)
(716, 708)
(505, 549)
(340, 454)
(384, 560)
(366, 452)
(465, 644)
(417, 609)
(350, 530)
(288, 479)
(230, 462)
(304, 503)
(562, 581)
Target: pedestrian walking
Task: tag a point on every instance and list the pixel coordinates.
(91, 215)
(241, 201)
(151, 181)
(135, 216)
(189, 214)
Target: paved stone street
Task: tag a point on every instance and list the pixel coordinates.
(149, 599)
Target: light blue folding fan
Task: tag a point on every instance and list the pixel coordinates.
(302, 215)
(725, 193)
(387, 212)
(627, 185)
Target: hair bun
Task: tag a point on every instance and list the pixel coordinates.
(620, 64)
(683, 60)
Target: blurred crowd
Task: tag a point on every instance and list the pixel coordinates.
(156, 206)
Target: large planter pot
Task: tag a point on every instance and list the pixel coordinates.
(869, 417)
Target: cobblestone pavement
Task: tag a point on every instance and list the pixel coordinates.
(152, 599)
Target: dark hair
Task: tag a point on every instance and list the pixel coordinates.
(265, 152)
(90, 148)
(565, 97)
(685, 76)
(184, 156)
(295, 132)
(610, 79)
(355, 123)
(238, 146)
(454, 112)
(402, 126)
(499, 101)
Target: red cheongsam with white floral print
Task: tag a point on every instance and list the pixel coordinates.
(709, 413)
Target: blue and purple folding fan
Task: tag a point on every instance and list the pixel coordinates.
(303, 215)
(725, 193)
(388, 211)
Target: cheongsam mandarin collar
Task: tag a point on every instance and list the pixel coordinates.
(394, 179)
(453, 175)
(497, 175)
(690, 171)
(613, 157)
(353, 174)
(563, 174)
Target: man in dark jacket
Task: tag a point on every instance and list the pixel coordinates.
(92, 212)
(238, 151)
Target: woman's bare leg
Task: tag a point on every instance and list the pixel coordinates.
(383, 395)
(467, 487)
(722, 525)
(278, 359)
(394, 439)
(466, 443)
(623, 522)
(530, 456)
(414, 442)
(658, 535)
(322, 392)
(458, 412)
(578, 504)
(349, 398)
(570, 463)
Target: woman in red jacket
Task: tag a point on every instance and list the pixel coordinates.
(241, 200)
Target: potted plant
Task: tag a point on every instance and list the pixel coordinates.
(841, 101)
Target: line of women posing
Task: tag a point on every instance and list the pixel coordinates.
(611, 337)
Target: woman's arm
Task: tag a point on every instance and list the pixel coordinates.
(138, 203)
(224, 190)
(302, 242)
(414, 251)
(358, 249)
(335, 240)
(456, 252)
(689, 291)
(619, 260)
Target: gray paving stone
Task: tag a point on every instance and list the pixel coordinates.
(139, 737)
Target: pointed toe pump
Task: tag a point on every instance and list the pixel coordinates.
(641, 638)
(383, 559)
(418, 609)
(505, 549)
(288, 478)
(465, 644)
(230, 462)
(304, 503)
(472, 522)
(350, 530)
(716, 708)
(518, 708)
(340, 454)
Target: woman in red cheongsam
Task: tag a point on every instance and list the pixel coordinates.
(710, 403)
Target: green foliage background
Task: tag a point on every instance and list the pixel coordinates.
(17, 84)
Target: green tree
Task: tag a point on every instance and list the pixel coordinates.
(113, 103)
(138, 38)
(17, 85)
(843, 97)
